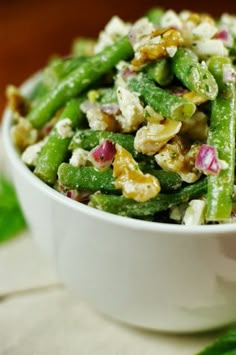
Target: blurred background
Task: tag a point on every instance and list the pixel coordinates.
(32, 30)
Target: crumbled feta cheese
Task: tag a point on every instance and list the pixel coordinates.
(96, 119)
(114, 29)
(204, 30)
(79, 157)
(184, 15)
(140, 32)
(31, 153)
(229, 74)
(171, 19)
(131, 109)
(171, 50)
(210, 47)
(229, 21)
(64, 128)
(194, 214)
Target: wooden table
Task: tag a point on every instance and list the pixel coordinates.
(32, 30)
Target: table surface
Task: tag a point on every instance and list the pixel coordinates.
(38, 316)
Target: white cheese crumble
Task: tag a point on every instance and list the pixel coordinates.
(115, 28)
(204, 30)
(31, 153)
(140, 32)
(194, 214)
(131, 109)
(171, 50)
(79, 157)
(229, 22)
(64, 128)
(96, 119)
(171, 19)
(210, 47)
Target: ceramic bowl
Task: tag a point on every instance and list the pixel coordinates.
(165, 277)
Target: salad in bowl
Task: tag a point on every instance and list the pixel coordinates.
(123, 158)
(140, 122)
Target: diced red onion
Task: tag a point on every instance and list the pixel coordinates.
(103, 155)
(111, 109)
(229, 75)
(207, 160)
(73, 194)
(225, 37)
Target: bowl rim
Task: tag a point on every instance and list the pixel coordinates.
(134, 224)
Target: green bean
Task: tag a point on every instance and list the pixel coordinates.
(154, 15)
(86, 178)
(169, 180)
(126, 207)
(233, 49)
(193, 75)
(222, 136)
(80, 79)
(59, 69)
(75, 178)
(39, 90)
(88, 139)
(160, 100)
(108, 96)
(55, 150)
(160, 71)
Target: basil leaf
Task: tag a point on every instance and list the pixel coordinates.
(225, 345)
(11, 218)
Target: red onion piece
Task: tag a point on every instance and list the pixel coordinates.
(207, 160)
(225, 37)
(73, 194)
(103, 155)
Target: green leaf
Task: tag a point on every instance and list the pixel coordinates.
(225, 345)
(12, 220)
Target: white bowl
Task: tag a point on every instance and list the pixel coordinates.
(167, 277)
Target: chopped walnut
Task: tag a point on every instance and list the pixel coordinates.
(23, 134)
(161, 43)
(131, 180)
(178, 157)
(151, 138)
(17, 103)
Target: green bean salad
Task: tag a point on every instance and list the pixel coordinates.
(139, 122)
